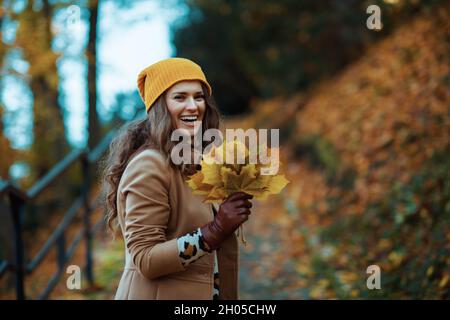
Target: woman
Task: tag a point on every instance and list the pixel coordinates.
(176, 246)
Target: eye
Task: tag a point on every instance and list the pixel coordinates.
(200, 97)
(178, 97)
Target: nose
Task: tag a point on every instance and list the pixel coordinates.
(191, 105)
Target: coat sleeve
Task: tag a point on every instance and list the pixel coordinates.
(192, 247)
(147, 210)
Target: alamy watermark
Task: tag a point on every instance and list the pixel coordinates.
(188, 150)
(73, 282)
(374, 280)
(374, 20)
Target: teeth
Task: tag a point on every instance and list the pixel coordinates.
(189, 118)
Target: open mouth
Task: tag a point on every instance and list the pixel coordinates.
(189, 119)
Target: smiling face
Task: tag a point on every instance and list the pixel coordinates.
(186, 104)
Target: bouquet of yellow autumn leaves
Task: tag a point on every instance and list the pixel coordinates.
(231, 168)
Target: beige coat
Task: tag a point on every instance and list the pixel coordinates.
(155, 206)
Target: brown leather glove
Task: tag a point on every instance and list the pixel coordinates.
(232, 213)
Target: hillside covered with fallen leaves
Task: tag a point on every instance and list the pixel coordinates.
(368, 157)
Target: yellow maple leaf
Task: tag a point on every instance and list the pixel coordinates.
(211, 174)
(219, 180)
(197, 185)
(276, 184)
(233, 154)
(216, 195)
(231, 180)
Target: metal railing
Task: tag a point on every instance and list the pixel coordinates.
(19, 199)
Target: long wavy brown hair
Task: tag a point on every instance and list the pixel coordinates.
(152, 132)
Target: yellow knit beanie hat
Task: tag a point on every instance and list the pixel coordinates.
(158, 77)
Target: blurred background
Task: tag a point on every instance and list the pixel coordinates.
(364, 117)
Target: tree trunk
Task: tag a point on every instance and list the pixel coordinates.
(9, 155)
(35, 37)
(91, 53)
